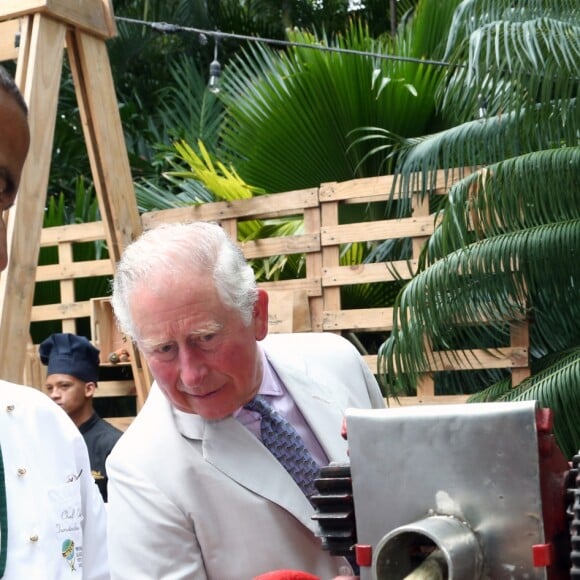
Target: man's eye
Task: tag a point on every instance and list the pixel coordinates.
(164, 352)
(204, 339)
(165, 349)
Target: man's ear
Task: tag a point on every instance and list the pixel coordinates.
(90, 389)
(261, 315)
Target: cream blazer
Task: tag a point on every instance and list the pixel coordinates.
(197, 499)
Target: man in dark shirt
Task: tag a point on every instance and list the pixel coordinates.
(71, 382)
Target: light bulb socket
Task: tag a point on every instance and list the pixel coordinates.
(215, 71)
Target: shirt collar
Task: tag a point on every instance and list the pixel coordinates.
(271, 386)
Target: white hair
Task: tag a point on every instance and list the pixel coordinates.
(180, 249)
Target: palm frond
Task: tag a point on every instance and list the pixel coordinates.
(556, 387)
(318, 99)
(473, 14)
(485, 141)
(512, 65)
(482, 287)
(492, 393)
(511, 195)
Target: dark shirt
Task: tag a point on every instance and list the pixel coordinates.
(100, 438)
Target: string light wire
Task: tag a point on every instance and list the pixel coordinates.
(169, 28)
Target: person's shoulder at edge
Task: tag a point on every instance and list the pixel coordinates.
(306, 345)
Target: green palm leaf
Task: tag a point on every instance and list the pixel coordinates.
(556, 387)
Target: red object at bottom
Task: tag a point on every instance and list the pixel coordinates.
(286, 575)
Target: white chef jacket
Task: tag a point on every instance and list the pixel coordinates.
(56, 516)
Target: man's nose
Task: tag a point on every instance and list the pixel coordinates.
(193, 366)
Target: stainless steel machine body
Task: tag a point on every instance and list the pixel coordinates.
(462, 478)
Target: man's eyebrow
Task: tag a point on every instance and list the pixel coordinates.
(212, 327)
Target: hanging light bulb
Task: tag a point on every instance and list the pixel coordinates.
(482, 111)
(215, 71)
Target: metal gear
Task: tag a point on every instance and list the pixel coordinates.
(573, 513)
(335, 510)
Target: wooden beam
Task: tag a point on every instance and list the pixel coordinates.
(105, 141)
(94, 16)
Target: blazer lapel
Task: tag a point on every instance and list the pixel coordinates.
(233, 450)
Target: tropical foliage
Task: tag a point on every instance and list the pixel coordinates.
(509, 240)
(145, 60)
(289, 114)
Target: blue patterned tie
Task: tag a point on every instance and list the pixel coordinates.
(286, 445)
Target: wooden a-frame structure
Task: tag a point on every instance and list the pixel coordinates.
(36, 33)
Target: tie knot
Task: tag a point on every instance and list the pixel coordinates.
(259, 405)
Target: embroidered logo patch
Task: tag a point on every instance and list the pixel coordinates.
(97, 474)
(68, 553)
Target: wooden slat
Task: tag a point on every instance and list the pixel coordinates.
(60, 311)
(115, 389)
(420, 209)
(368, 319)
(379, 230)
(368, 273)
(311, 286)
(330, 258)
(259, 207)
(369, 189)
(85, 269)
(267, 247)
(508, 357)
(85, 232)
(520, 337)
(313, 261)
(500, 358)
